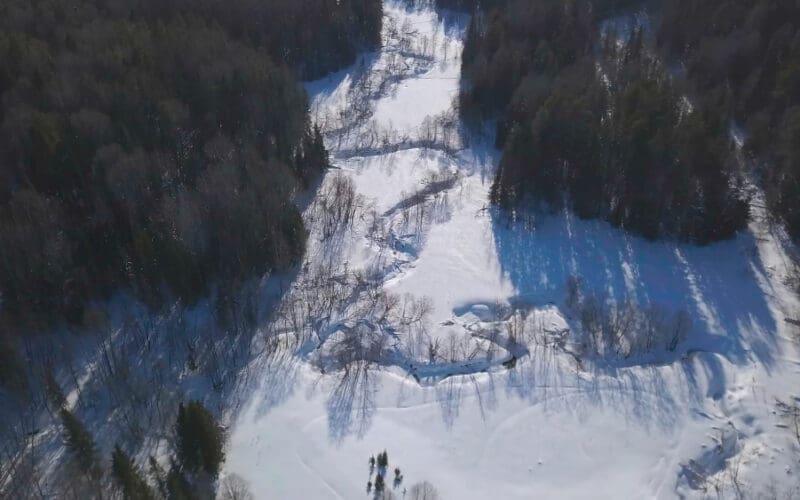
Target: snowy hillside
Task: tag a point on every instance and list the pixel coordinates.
(541, 357)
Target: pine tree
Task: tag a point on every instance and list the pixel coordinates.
(177, 485)
(199, 439)
(127, 477)
(12, 369)
(383, 459)
(398, 477)
(379, 484)
(80, 444)
(53, 391)
(318, 146)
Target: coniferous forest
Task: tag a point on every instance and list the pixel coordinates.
(156, 145)
(636, 127)
(744, 58)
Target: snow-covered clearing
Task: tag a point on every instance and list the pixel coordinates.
(426, 324)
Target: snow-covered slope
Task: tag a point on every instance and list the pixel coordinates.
(426, 324)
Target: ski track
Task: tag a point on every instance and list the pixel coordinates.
(318, 475)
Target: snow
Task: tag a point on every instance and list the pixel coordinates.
(664, 425)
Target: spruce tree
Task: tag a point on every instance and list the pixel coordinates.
(53, 390)
(379, 484)
(80, 444)
(199, 439)
(398, 477)
(383, 459)
(12, 369)
(177, 485)
(320, 153)
(127, 477)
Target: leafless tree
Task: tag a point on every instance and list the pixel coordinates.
(234, 487)
(790, 413)
(423, 491)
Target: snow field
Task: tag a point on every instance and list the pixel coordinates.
(525, 417)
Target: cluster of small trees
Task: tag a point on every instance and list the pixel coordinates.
(623, 329)
(337, 205)
(404, 52)
(379, 487)
(129, 396)
(157, 146)
(194, 467)
(605, 131)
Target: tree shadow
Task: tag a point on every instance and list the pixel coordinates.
(351, 404)
(718, 285)
(278, 374)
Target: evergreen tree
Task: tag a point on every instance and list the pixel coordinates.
(127, 477)
(80, 444)
(398, 477)
(383, 459)
(320, 152)
(379, 484)
(199, 439)
(52, 389)
(178, 486)
(12, 369)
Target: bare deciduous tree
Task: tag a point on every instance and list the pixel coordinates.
(234, 487)
(423, 491)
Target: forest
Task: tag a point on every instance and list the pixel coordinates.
(635, 127)
(157, 155)
(744, 58)
(156, 146)
(151, 149)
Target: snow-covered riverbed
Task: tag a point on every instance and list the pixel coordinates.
(497, 412)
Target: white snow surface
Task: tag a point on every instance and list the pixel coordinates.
(696, 422)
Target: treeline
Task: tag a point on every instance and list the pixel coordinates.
(157, 144)
(313, 37)
(593, 120)
(744, 57)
